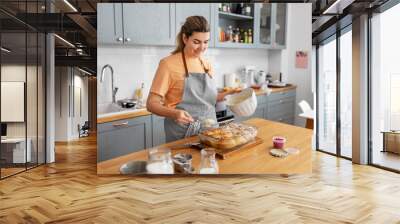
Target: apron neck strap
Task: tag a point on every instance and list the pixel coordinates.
(186, 69)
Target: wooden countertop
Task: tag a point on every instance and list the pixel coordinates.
(127, 115)
(277, 90)
(133, 114)
(251, 161)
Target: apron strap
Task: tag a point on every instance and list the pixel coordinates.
(184, 63)
(206, 70)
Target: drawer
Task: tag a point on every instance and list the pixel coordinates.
(281, 95)
(281, 107)
(120, 124)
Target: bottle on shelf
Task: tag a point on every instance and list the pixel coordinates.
(241, 36)
(250, 37)
(236, 37)
(224, 7)
(246, 37)
(239, 8)
(248, 10)
(229, 34)
(219, 6)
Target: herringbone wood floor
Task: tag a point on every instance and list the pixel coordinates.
(69, 191)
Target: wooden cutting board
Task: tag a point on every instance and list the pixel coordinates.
(227, 153)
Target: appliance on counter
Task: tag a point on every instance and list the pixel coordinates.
(231, 80)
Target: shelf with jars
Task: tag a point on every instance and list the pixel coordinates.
(235, 25)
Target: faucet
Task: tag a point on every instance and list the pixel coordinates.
(113, 89)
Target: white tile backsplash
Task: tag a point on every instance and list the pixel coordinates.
(136, 64)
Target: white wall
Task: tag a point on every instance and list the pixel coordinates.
(299, 36)
(136, 64)
(67, 83)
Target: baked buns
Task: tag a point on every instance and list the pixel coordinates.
(228, 136)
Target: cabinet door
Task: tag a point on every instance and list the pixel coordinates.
(109, 23)
(263, 27)
(122, 137)
(158, 130)
(184, 10)
(149, 23)
(260, 111)
(279, 25)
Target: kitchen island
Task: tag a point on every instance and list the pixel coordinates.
(255, 160)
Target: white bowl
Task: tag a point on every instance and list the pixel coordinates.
(242, 104)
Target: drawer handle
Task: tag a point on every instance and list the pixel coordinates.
(280, 119)
(280, 101)
(124, 124)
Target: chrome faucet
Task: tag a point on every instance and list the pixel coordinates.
(113, 89)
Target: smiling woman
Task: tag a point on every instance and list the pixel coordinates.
(183, 88)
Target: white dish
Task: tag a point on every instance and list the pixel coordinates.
(243, 103)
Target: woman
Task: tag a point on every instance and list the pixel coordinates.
(183, 88)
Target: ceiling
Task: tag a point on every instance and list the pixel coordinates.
(76, 22)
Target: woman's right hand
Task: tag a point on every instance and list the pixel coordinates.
(183, 117)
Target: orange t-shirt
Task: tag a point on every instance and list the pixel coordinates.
(169, 79)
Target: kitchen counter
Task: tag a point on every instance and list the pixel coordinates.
(137, 113)
(276, 90)
(256, 160)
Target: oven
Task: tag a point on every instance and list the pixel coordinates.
(224, 118)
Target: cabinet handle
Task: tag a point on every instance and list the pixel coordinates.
(119, 39)
(127, 39)
(280, 119)
(280, 101)
(123, 124)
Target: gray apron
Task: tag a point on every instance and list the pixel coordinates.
(199, 99)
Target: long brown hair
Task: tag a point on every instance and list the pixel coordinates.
(191, 25)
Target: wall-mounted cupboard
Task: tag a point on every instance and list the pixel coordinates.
(232, 25)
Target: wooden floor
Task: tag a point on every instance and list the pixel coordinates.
(69, 191)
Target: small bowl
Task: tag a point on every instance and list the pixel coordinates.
(279, 142)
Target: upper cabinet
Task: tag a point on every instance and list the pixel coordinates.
(109, 23)
(232, 25)
(184, 10)
(136, 24)
(149, 23)
(270, 25)
(280, 24)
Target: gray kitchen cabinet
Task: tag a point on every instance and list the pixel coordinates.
(270, 25)
(222, 20)
(109, 23)
(184, 10)
(122, 137)
(149, 23)
(158, 134)
(281, 106)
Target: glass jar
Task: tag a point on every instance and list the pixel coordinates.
(229, 34)
(160, 161)
(208, 164)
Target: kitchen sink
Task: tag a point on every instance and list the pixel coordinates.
(110, 109)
